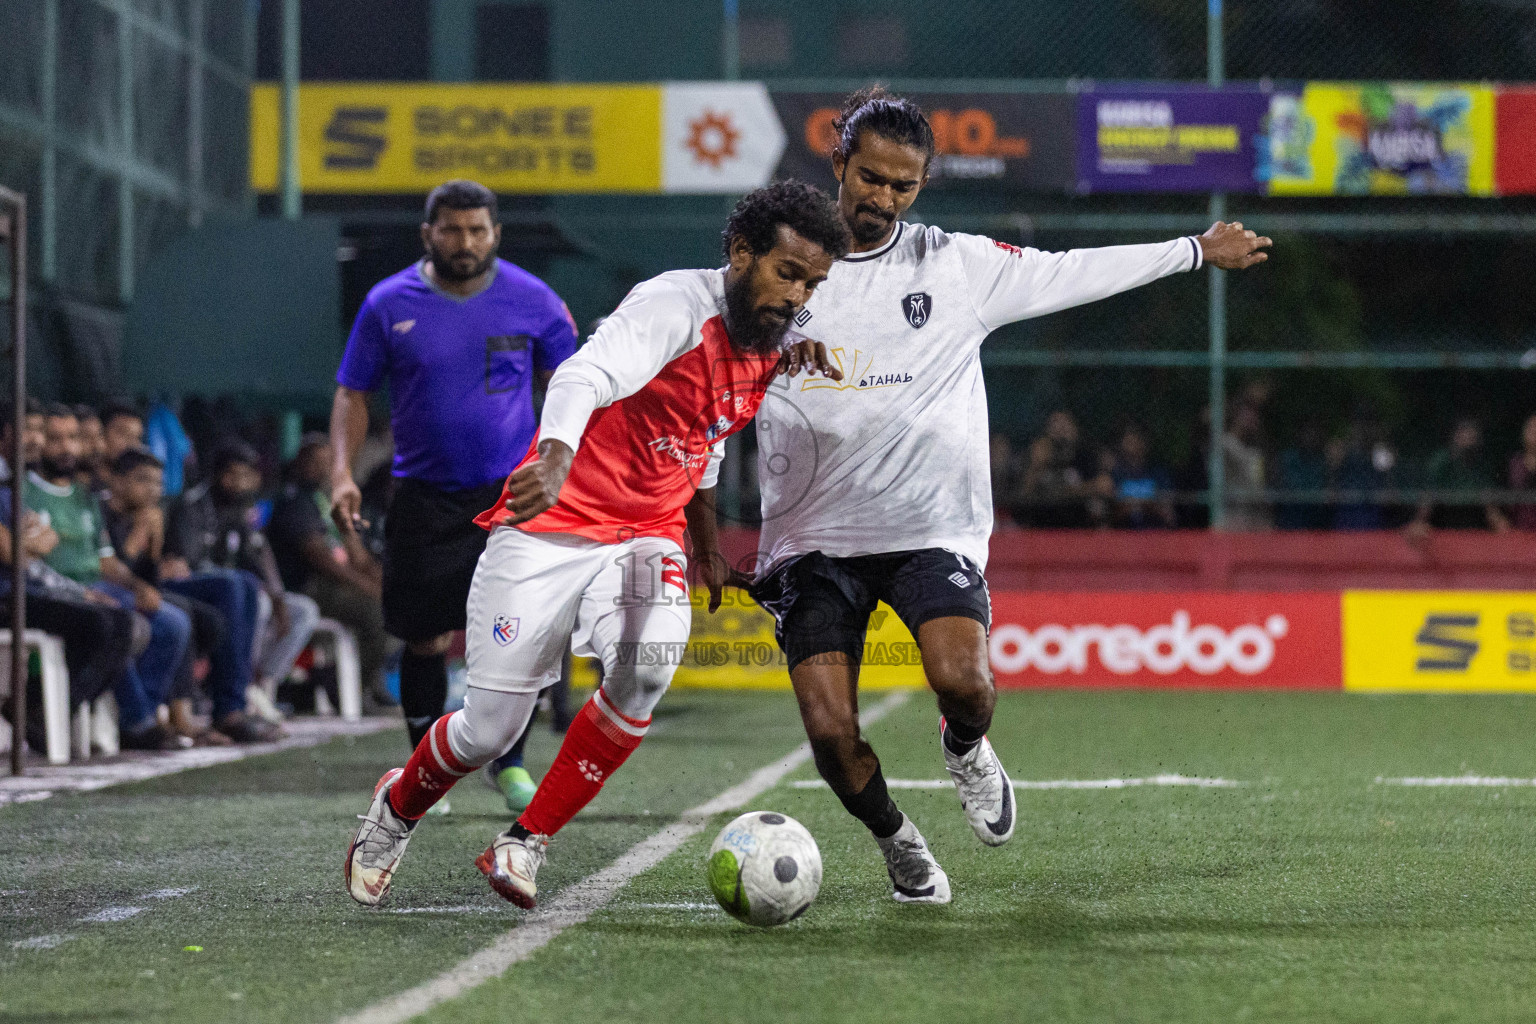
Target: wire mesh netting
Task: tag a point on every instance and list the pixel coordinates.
(1326, 39)
(96, 93)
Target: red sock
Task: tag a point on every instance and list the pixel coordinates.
(431, 772)
(598, 741)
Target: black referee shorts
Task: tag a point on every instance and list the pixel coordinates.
(822, 604)
(431, 545)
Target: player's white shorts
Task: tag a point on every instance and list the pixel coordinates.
(625, 603)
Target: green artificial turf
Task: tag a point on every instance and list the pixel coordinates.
(1311, 893)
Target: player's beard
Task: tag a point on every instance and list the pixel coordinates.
(58, 469)
(869, 225)
(749, 329)
(451, 269)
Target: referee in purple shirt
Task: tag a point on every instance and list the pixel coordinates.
(459, 336)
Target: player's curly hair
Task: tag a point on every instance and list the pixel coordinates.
(890, 117)
(805, 209)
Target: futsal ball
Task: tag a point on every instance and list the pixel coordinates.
(764, 868)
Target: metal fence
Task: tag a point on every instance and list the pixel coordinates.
(124, 120)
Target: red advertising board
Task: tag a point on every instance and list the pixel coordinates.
(1213, 639)
(1514, 158)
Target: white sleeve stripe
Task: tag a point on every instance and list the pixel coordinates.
(1199, 253)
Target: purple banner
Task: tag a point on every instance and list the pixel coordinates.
(1171, 141)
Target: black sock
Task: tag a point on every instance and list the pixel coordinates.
(874, 807)
(517, 831)
(961, 739)
(423, 691)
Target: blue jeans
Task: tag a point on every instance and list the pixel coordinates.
(145, 681)
(235, 594)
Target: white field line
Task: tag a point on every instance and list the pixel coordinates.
(577, 902)
(1190, 781)
(44, 781)
(1454, 780)
(42, 942)
(106, 915)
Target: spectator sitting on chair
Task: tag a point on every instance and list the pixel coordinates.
(1459, 468)
(317, 559)
(1063, 487)
(1522, 475)
(93, 450)
(215, 526)
(122, 427)
(1305, 467)
(31, 438)
(1141, 487)
(98, 636)
(221, 602)
(84, 554)
(1246, 473)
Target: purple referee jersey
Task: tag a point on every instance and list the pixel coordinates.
(460, 370)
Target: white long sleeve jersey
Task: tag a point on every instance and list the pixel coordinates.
(895, 456)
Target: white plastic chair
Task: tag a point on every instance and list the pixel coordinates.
(50, 651)
(349, 668)
(96, 724)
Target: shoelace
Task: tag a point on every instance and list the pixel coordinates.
(371, 843)
(908, 860)
(975, 772)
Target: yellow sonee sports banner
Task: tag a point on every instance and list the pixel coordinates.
(392, 138)
(734, 649)
(1439, 640)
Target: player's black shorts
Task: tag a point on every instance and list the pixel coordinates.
(431, 545)
(822, 604)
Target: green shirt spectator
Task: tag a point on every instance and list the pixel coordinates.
(73, 513)
(1459, 470)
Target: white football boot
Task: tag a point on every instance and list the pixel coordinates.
(378, 846)
(986, 792)
(915, 876)
(511, 865)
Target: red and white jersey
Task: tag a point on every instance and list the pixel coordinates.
(646, 405)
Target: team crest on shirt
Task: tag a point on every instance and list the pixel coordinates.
(919, 307)
(720, 426)
(504, 630)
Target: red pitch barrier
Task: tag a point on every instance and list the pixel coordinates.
(1188, 560)
(1377, 611)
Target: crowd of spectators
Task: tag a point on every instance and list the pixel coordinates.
(192, 606)
(1354, 479)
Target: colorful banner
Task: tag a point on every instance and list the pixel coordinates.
(1365, 640)
(386, 137)
(1514, 158)
(1194, 140)
(1440, 641)
(1243, 640)
(1024, 140)
(718, 137)
(1333, 138)
(1395, 139)
(734, 649)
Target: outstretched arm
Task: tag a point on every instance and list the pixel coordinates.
(1008, 283)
